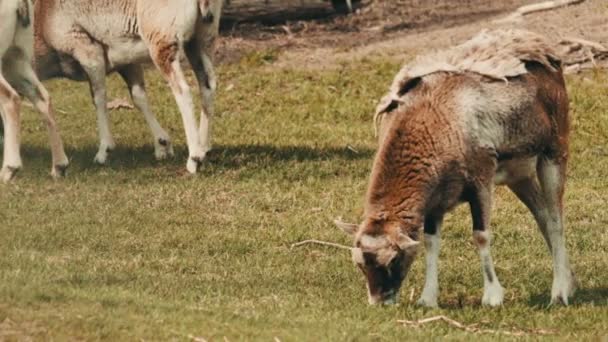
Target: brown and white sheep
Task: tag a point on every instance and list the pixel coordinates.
(86, 39)
(492, 111)
(17, 76)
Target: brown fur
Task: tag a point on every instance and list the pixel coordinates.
(451, 136)
(426, 165)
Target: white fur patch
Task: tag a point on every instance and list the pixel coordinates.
(493, 294)
(483, 110)
(380, 246)
(357, 256)
(373, 242)
(431, 283)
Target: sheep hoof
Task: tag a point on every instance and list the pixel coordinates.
(8, 173)
(59, 171)
(163, 149)
(194, 164)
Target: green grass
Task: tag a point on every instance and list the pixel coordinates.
(138, 250)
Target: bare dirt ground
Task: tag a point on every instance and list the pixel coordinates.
(308, 33)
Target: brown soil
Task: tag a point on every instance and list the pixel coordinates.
(310, 33)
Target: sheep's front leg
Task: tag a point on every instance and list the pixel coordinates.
(552, 177)
(481, 205)
(202, 65)
(208, 93)
(10, 105)
(166, 57)
(430, 292)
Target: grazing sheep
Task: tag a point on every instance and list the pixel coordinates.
(18, 77)
(86, 39)
(492, 111)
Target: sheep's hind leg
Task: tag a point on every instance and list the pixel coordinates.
(551, 174)
(528, 191)
(133, 75)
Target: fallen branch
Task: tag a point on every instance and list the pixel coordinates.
(319, 242)
(29, 105)
(577, 68)
(473, 328)
(578, 42)
(580, 54)
(542, 6)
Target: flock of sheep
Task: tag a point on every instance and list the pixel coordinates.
(491, 111)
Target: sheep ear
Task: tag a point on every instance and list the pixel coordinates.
(357, 255)
(348, 228)
(407, 244)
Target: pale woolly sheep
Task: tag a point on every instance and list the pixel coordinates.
(18, 77)
(85, 40)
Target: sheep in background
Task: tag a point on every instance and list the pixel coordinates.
(18, 77)
(85, 40)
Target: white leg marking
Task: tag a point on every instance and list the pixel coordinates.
(564, 283)
(493, 293)
(183, 97)
(10, 107)
(431, 284)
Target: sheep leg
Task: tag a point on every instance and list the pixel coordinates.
(432, 227)
(25, 81)
(10, 105)
(166, 59)
(551, 174)
(528, 191)
(202, 66)
(91, 57)
(481, 206)
(133, 75)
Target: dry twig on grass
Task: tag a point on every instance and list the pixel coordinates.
(319, 242)
(542, 6)
(29, 105)
(119, 104)
(323, 243)
(474, 328)
(577, 43)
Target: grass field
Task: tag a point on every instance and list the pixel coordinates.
(140, 250)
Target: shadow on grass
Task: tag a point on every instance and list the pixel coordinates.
(598, 296)
(222, 157)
